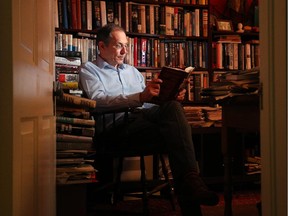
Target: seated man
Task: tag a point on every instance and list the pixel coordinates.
(112, 83)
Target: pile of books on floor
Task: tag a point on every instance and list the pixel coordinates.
(253, 165)
(233, 83)
(203, 116)
(75, 127)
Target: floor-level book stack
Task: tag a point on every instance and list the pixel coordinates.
(75, 127)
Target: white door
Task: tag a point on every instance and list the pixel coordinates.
(33, 118)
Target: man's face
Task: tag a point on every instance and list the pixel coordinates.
(116, 50)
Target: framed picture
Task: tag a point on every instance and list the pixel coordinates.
(224, 25)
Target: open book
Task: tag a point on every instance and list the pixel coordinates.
(173, 80)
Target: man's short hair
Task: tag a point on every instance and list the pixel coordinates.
(104, 33)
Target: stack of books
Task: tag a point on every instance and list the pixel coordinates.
(75, 128)
(203, 116)
(233, 83)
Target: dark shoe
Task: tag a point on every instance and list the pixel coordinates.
(194, 190)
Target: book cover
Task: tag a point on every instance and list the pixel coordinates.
(173, 80)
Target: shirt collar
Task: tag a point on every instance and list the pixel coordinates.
(101, 63)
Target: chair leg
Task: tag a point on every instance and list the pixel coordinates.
(144, 186)
(117, 181)
(167, 180)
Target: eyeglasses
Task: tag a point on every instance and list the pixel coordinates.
(120, 46)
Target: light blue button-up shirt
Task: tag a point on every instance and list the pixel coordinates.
(112, 87)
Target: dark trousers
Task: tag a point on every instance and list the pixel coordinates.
(160, 127)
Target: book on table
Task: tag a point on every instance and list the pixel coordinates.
(173, 79)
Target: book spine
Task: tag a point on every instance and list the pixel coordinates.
(69, 13)
(70, 129)
(73, 113)
(85, 102)
(110, 12)
(96, 15)
(59, 21)
(143, 52)
(219, 56)
(197, 22)
(103, 13)
(248, 56)
(69, 85)
(142, 18)
(89, 14)
(83, 14)
(64, 53)
(235, 56)
(76, 121)
(78, 10)
(73, 138)
(74, 145)
(205, 22)
(169, 14)
(135, 52)
(74, 14)
(147, 19)
(66, 77)
(65, 14)
(152, 19)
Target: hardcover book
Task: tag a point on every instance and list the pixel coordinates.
(173, 80)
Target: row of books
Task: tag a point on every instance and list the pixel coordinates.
(82, 43)
(86, 14)
(139, 18)
(75, 128)
(151, 52)
(143, 52)
(234, 55)
(166, 20)
(192, 2)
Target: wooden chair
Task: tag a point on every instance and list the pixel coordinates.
(146, 192)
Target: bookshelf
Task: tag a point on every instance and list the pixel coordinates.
(162, 33)
(159, 35)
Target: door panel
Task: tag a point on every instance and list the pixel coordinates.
(33, 117)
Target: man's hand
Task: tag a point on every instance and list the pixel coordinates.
(181, 95)
(152, 89)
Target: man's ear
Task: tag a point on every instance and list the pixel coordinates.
(101, 45)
